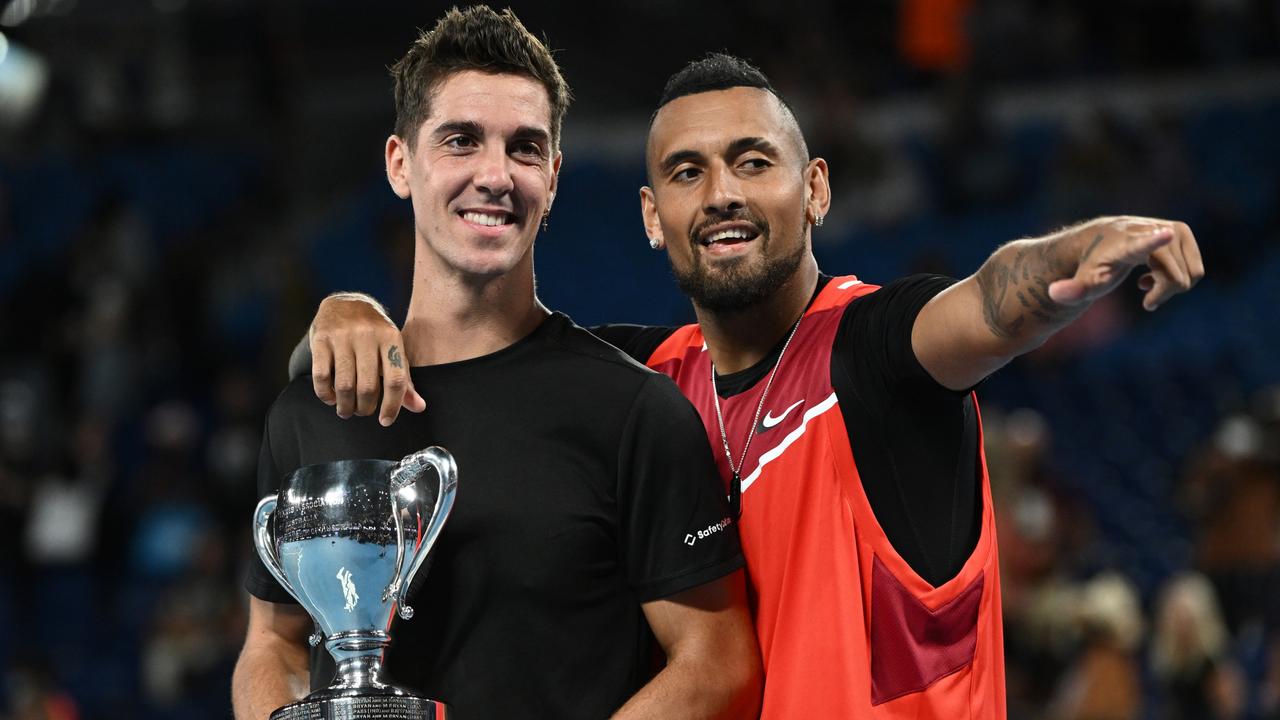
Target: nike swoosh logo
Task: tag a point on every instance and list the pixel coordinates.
(769, 420)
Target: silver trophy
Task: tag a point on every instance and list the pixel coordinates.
(346, 539)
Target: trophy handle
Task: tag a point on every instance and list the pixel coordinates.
(266, 546)
(405, 475)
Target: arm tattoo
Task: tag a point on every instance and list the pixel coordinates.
(393, 356)
(1092, 245)
(1023, 271)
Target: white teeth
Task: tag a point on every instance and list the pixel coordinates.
(731, 234)
(485, 218)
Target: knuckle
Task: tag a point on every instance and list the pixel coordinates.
(367, 389)
(344, 386)
(396, 382)
(322, 376)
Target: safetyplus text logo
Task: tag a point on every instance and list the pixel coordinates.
(707, 532)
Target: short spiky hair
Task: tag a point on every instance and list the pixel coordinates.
(721, 71)
(717, 71)
(476, 38)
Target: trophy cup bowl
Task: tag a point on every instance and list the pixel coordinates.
(346, 540)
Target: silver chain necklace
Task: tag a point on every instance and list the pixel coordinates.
(735, 487)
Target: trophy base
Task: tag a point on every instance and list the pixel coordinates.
(363, 707)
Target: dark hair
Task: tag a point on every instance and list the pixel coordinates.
(476, 38)
(717, 71)
(722, 71)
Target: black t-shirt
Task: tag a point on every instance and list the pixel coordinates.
(581, 475)
(915, 442)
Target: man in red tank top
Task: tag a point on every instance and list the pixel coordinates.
(842, 413)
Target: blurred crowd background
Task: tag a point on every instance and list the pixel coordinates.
(181, 181)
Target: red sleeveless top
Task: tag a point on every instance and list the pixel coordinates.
(846, 628)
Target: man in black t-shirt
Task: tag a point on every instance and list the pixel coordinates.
(582, 474)
(734, 198)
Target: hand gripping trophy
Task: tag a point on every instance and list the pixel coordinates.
(346, 540)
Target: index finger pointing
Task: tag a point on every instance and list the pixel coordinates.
(1154, 237)
(1142, 244)
(1191, 250)
(394, 384)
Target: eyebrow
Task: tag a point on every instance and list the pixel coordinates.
(534, 133)
(471, 127)
(741, 145)
(677, 157)
(737, 147)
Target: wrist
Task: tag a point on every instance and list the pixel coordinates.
(351, 296)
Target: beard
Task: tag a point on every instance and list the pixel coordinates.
(740, 283)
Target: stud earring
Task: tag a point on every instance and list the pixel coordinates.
(655, 243)
(817, 221)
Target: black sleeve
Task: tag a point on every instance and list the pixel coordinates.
(300, 359)
(638, 341)
(259, 582)
(675, 530)
(914, 440)
(875, 330)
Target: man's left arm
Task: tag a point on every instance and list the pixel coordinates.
(1029, 289)
(713, 665)
(683, 561)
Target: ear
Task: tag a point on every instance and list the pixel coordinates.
(555, 179)
(649, 212)
(817, 189)
(398, 167)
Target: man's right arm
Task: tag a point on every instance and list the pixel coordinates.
(273, 667)
(355, 355)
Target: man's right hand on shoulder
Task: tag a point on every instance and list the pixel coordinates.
(357, 359)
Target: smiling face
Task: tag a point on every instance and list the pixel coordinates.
(481, 175)
(733, 195)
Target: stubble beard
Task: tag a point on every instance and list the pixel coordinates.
(738, 284)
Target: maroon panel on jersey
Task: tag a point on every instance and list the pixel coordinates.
(913, 647)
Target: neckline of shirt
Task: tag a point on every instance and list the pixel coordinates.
(555, 320)
(736, 383)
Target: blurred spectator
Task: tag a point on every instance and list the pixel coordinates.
(1104, 682)
(35, 697)
(1233, 493)
(195, 633)
(1043, 537)
(1190, 654)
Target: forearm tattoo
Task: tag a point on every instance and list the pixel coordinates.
(393, 357)
(1014, 284)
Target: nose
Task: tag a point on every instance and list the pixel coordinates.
(493, 175)
(723, 192)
